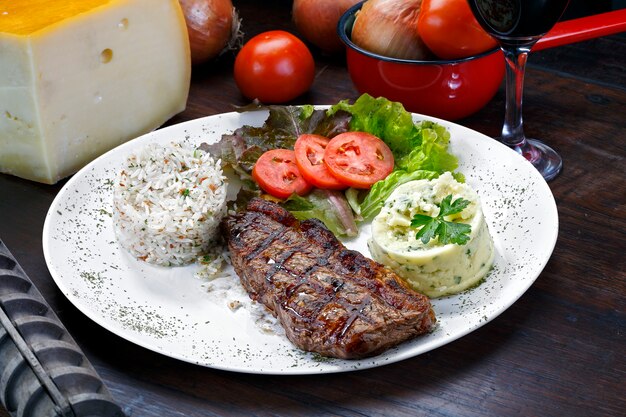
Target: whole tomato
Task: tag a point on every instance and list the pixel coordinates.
(274, 67)
(450, 30)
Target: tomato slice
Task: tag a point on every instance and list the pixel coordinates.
(277, 174)
(358, 159)
(309, 151)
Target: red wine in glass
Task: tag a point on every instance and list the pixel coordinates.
(517, 25)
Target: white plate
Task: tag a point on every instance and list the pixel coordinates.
(175, 313)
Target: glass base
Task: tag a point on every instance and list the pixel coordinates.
(543, 157)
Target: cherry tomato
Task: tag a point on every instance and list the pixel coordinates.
(358, 159)
(450, 30)
(274, 67)
(309, 151)
(277, 174)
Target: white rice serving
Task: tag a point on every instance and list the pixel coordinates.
(168, 202)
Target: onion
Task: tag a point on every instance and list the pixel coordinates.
(213, 27)
(389, 28)
(316, 20)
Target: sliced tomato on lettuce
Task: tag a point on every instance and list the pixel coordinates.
(309, 149)
(277, 174)
(358, 159)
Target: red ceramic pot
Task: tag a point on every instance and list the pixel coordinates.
(453, 89)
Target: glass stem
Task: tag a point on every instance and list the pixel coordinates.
(513, 129)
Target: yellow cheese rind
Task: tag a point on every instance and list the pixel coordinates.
(24, 17)
(82, 86)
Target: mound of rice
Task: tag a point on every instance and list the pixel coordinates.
(168, 202)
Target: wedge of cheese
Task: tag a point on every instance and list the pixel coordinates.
(79, 77)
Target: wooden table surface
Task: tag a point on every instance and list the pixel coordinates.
(558, 351)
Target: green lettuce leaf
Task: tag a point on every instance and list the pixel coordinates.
(432, 153)
(415, 146)
(420, 149)
(329, 206)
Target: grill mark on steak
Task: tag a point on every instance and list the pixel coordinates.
(329, 299)
(355, 314)
(268, 241)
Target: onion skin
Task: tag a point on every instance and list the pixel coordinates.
(389, 28)
(316, 20)
(210, 26)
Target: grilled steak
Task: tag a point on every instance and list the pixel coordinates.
(329, 299)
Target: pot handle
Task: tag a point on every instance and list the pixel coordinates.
(582, 29)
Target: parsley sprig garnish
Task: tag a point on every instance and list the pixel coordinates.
(447, 232)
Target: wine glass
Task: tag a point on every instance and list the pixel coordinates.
(517, 25)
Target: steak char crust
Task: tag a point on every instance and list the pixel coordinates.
(329, 299)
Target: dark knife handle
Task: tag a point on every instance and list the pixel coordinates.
(43, 372)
